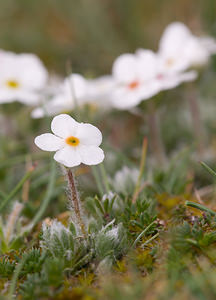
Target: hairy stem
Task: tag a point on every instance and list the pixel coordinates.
(75, 201)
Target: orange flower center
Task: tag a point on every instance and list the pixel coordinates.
(133, 85)
(72, 141)
(13, 84)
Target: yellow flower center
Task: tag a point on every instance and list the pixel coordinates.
(72, 141)
(13, 84)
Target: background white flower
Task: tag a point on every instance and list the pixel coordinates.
(164, 77)
(71, 92)
(179, 49)
(142, 75)
(99, 91)
(92, 91)
(22, 77)
(74, 142)
(134, 76)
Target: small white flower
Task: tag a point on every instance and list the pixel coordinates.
(71, 93)
(83, 91)
(141, 76)
(179, 49)
(74, 142)
(164, 77)
(133, 75)
(22, 77)
(99, 91)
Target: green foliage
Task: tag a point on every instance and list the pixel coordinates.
(6, 267)
(43, 284)
(34, 261)
(111, 241)
(173, 180)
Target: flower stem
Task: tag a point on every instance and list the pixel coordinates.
(75, 201)
(141, 170)
(198, 128)
(154, 134)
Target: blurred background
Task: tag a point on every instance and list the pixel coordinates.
(91, 33)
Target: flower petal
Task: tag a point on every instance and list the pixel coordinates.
(148, 64)
(208, 43)
(75, 85)
(89, 134)
(99, 91)
(68, 156)
(125, 68)
(196, 52)
(34, 75)
(174, 37)
(173, 46)
(64, 126)
(49, 142)
(170, 82)
(26, 97)
(91, 155)
(123, 98)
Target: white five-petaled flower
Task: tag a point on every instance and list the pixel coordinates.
(140, 76)
(179, 49)
(71, 93)
(133, 75)
(74, 142)
(22, 77)
(99, 91)
(76, 90)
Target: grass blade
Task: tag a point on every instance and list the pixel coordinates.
(16, 189)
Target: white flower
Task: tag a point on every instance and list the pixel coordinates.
(99, 91)
(141, 76)
(179, 49)
(92, 91)
(71, 93)
(165, 78)
(74, 142)
(22, 77)
(133, 76)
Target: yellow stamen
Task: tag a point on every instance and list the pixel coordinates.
(13, 84)
(170, 62)
(72, 141)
